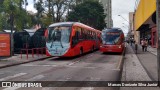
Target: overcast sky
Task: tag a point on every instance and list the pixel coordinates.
(119, 7)
(122, 7)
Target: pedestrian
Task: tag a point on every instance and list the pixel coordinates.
(146, 44)
(131, 41)
(128, 41)
(143, 44)
(136, 47)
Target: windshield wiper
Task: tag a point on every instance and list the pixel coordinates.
(52, 40)
(61, 43)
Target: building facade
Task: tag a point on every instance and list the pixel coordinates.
(107, 5)
(145, 21)
(133, 34)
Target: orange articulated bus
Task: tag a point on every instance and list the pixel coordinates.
(67, 39)
(112, 40)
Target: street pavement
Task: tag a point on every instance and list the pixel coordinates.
(90, 67)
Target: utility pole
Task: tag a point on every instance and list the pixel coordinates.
(158, 29)
(12, 26)
(12, 41)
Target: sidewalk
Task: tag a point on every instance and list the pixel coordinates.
(16, 60)
(133, 70)
(148, 61)
(152, 50)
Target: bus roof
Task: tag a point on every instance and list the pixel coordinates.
(62, 24)
(71, 24)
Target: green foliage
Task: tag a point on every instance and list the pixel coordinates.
(1, 23)
(21, 18)
(89, 12)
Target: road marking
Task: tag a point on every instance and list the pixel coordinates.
(87, 88)
(11, 88)
(14, 76)
(83, 57)
(81, 67)
(69, 65)
(90, 56)
(73, 63)
(35, 78)
(65, 79)
(40, 65)
(49, 88)
(119, 63)
(1, 73)
(10, 77)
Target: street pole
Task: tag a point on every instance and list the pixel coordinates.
(129, 27)
(12, 41)
(158, 29)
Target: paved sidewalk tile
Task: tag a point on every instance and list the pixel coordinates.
(134, 71)
(132, 68)
(149, 62)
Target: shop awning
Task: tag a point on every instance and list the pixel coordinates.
(144, 11)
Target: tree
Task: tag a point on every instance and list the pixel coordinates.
(21, 18)
(1, 15)
(89, 12)
(58, 8)
(40, 10)
(50, 11)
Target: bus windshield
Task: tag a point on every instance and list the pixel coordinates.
(59, 34)
(110, 37)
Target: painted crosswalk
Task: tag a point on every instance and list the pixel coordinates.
(13, 76)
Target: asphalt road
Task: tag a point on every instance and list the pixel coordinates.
(90, 67)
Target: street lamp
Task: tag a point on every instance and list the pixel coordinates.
(129, 27)
(125, 25)
(123, 18)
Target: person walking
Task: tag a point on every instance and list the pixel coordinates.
(143, 44)
(146, 45)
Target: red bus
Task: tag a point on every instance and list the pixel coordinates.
(112, 40)
(67, 39)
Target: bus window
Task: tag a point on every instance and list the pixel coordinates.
(76, 38)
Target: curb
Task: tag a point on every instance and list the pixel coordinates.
(15, 64)
(120, 64)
